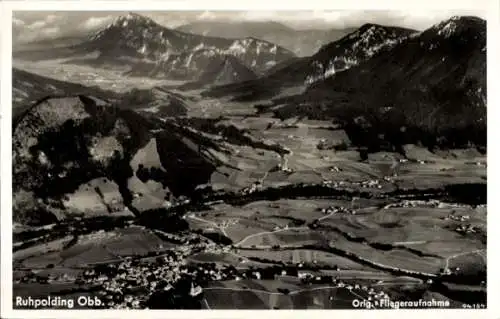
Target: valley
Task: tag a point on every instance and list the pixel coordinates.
(262, 193)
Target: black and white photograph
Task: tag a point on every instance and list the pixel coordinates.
(249, 160)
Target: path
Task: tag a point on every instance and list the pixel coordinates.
(206, 303)
(222, 228)
(269, 232)
(417, 242)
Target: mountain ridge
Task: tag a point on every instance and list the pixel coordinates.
(301, 42)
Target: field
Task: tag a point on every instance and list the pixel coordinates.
(95, 248)
(99, 196)
(237, 260)
(304, 256)
(264, 295)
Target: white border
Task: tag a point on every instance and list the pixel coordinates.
(492, 7)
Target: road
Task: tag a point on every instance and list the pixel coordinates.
(269, 232)
(221, 228)
(280, 230)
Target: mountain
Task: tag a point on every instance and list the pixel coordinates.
(150, 49)
(221, 71)
(80, 155)
(336, 56)
(226, 70)
(428, 88)
(301, 42)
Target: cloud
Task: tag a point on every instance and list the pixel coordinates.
(37, 24)
(96, 22)
(51, 32)
(31, 25)
(18, 22)
(51, 18)
(353, 18)
(207, 15)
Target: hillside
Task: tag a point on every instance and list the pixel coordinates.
(222, 71)
(81, 155)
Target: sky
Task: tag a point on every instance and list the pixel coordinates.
(36, 25)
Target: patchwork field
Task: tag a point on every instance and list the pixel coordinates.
(304, 256)
(264, 295)
(100, 247)
(418, 239)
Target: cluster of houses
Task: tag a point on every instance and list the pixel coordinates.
(448, 271)
(373, 183)
(466, 229)
(284, 168)
(457, 218)
(128, 284)
(252, 189)
(337, 209)
(432, 203)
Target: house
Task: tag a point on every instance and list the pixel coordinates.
(304, 274)
(195, 291)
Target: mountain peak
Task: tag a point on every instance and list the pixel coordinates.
(358, 46)
(129, 25)
(368, 26)
(134, 18)
(371, 29)
(458, 24)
